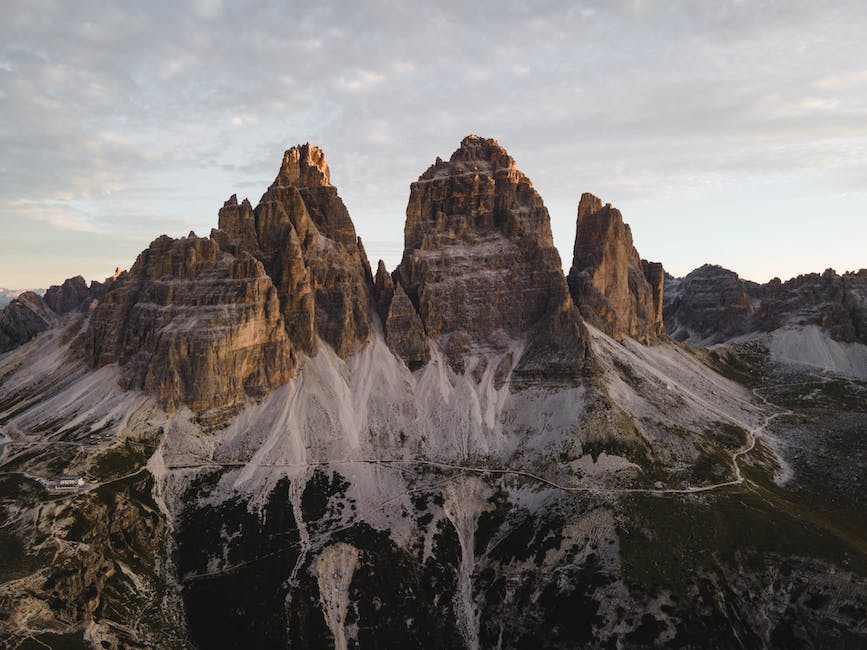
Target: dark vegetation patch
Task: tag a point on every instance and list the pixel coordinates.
(526, 600)
(694, 548)
(240, 603)
(43, 460)
(70, 641)
(812, 392)
(746, 364)
(118, 460)
(729, 435)
(389, 588)
(19, 488)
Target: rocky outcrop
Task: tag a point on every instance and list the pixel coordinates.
(192, 324)
(22, 319)
(403, 329)
(383, 290)
(709, 305)
(302, 234)
(855, 298)
(210, 322)
(404, 332)
(480, 267)
(68, 296)
(612, 286)
(831, 301)
(712, 305)
(30, 314)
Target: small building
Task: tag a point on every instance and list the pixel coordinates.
(70, 482)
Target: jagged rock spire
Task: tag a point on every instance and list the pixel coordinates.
(613, 287)
(479, 262)
(304, 165)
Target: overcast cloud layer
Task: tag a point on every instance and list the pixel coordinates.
(726, 132)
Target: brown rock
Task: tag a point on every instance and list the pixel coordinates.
(304, 166)
(309, 247)
(238, 223)
(610, 284)
(479, 262)
(193, 325)
(99, 289)
(68, 296)
(404, 332)
(655, 276)
(383, 290)
(22, 319)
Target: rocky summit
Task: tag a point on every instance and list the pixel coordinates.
(479, 264)
(29, 314)
(712, 304)
(210, 322)
(249, 440)
(615, 289)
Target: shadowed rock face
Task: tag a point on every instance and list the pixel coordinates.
(479, 263)
(22, 319)
(30, 314)
(712, 304)
(68, 296)
(612, 286)
(193, 325)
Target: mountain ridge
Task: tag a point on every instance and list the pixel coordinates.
(282, 449)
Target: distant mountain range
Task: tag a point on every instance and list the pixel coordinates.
(8, 295)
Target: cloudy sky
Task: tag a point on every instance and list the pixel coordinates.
(726, 132)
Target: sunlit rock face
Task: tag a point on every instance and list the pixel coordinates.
(480, 266)
(211, 322)
(193, 325)
(302, 233)
(613, 287)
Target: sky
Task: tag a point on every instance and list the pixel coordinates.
(732, 133)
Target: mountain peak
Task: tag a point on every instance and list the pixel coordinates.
(475, 155)
(612, 286)
(304, 165)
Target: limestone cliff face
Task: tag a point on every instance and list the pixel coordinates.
(612, 286)
(210, 322)
(68, 296)
(712, 304)
(22, 319)
(193, 325)
(709, 305)
(302, 234)
(479, 264)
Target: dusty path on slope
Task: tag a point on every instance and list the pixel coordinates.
(748, 446)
